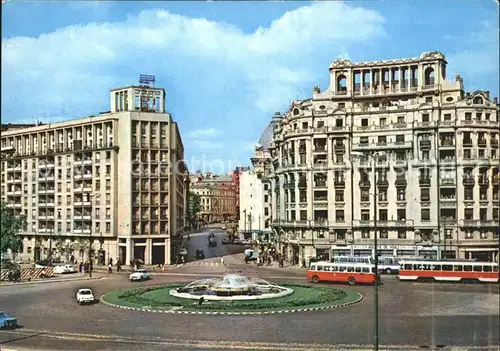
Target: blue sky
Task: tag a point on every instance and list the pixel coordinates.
(226, 66)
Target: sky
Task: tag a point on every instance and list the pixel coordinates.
(226, 66)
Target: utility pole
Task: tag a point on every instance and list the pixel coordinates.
(375, 300)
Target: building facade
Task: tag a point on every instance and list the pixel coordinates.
(397, 129)
(112, 186)
(217, 197)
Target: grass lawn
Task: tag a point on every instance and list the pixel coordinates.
(303, 296)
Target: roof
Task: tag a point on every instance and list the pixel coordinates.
(267, 136)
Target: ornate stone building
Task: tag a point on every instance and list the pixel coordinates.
(397, 129)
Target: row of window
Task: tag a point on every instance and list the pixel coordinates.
(450, 267)
(342, 269)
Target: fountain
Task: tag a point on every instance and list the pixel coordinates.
(230, 288)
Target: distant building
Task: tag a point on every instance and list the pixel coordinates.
(217, 197)
(117, 180)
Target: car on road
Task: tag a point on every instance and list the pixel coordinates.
(6, 321)
(84, 296)
(140, 274)
(226, 241)
(64, 269)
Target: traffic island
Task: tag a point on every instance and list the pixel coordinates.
(159, 299)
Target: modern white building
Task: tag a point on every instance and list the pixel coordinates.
(255, 192)
(255, 202)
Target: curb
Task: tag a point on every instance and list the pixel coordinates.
(48, 281)
(321, 308)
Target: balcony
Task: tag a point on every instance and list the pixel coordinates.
(425, 144)
(467, 143)
(46, 191)
(339, 183)
(319, 149)
(319, 223)
(80, 203)
(425, 124)
(14, 205)
(483, 180)
(468, 181)
(447, 181)
(446, 144)
(424, 181)
(449, 160)
(361, 146)
(383, 183)
(339, 147)
(82, 217)
(320, 184)
(401, 182)
(364, 184)
(469, 222)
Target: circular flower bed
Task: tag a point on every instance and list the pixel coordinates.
(303, 297)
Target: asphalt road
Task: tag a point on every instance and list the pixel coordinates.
(414, 314)
(199, 241)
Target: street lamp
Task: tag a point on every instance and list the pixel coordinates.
(374, 157)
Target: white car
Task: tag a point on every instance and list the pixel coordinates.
(140, 274)
(84, 296)
(67, 268)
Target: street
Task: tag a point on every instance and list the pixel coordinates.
(199, 241)
(410, 314)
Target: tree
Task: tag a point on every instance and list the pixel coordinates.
(81, 246)
(194, 207)
(12, 224)
(61, 246)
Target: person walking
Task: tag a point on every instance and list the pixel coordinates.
(222, 260)
(110, 268)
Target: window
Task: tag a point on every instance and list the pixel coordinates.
(400, 139)
(364, 122)
(425, 214)
(425, 194)
(365, 234)
(401, 234)
(383, 121)
(447, 116)
(339, 195)
(339, 215)
(425, 117)
(401, 194)
(365, 196)
(383, 234)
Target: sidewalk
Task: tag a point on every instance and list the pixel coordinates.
(55, 279)
(240, 258)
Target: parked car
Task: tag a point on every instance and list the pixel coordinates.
(140, 274)
(84, 296)
(64, 269)
(184, 251)
(226, 241)
(6, 321)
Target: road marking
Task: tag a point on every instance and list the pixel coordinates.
(234, 345)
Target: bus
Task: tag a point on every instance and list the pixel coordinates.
(448, 271)
(386, 264)
(352, 273)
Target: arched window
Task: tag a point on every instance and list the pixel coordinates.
(341, 83)
(478, 100)
(296, 112)
(429, 76)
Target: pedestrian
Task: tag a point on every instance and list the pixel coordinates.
(110, 268)
(222, 260)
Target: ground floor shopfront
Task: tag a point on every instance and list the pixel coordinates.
(156, 250)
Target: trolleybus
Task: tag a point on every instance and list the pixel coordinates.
(352, 273)
(448, 271)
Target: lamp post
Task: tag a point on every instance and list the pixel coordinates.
(376, 285)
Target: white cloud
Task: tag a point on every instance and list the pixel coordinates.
(479, 56)
(204, 133)
(208, 145)
(217, 71)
